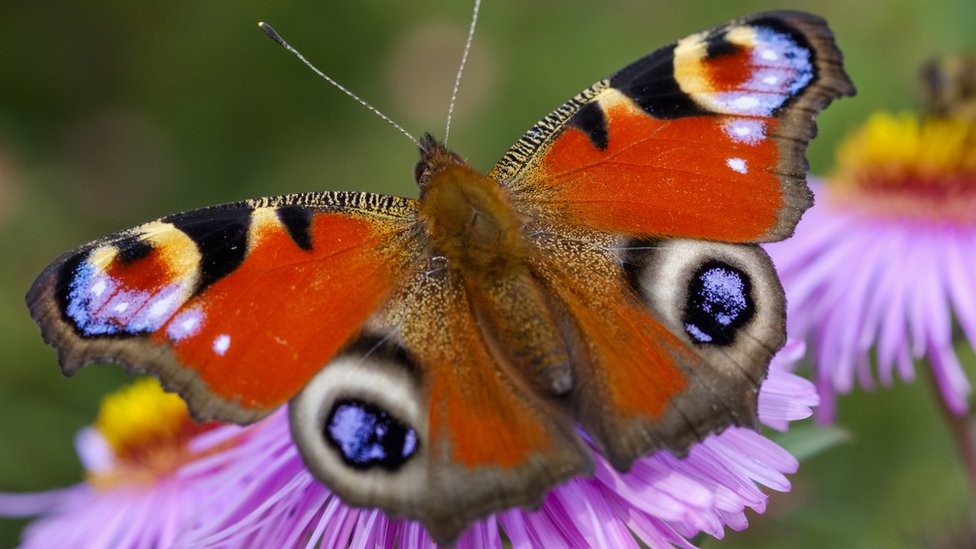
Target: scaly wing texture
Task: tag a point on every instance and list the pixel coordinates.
(705, 138)
(234, 306)
(673, 336)
(420, 417)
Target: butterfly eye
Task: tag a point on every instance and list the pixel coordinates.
(419, 170)
(721, 298)
(359, 425)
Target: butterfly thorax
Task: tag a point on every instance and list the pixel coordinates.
(471, 222)
(468, 216)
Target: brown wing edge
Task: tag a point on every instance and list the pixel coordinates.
(523, 154)
(134, 353)
(798, 116)
(447, 521)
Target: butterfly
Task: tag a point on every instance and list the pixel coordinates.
(448, 357)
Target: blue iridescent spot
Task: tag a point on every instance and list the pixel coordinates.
(368, 436)
(792, 58)
(102, 305)
(719, 303)
(779, 69)
(89, 291)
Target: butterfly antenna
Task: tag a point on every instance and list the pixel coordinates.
(464, 59)
(281, 42)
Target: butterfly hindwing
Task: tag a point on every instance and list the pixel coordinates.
(671, 339)
(422, 419)
(233, 306)
(705, 138)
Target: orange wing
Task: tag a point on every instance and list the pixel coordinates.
(422, 418)
(701, 139)
(668, 349)
(234, 306)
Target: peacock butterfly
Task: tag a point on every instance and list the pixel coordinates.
(443, 358)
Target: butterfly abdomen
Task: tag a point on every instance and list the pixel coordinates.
(522, 330)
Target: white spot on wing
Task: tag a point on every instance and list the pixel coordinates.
(164, 305)
(99, 288)
(737, 165)
(747, 131)
(745, 103)
(185, 324)
(221, 344)
(768, 55)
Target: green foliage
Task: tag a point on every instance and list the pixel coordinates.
(805, 442)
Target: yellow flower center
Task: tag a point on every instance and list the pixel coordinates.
(907, 166)
(138, 415)
(148, 431)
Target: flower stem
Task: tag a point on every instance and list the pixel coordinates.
(962, 428)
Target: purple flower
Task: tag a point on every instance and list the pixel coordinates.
(149, 477)
(663, 500)
(248, 487)
(884, 262)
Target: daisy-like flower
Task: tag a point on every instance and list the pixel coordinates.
(663, 500)
(148, 471)
(157, 481)
(884, 262)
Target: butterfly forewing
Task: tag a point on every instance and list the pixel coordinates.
(233, 306)
(705, 138)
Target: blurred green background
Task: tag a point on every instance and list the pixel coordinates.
(114, 113)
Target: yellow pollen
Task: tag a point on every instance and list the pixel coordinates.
(141, 415)
(906, 165)
(149, 432)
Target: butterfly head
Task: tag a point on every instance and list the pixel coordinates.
(434, 158)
